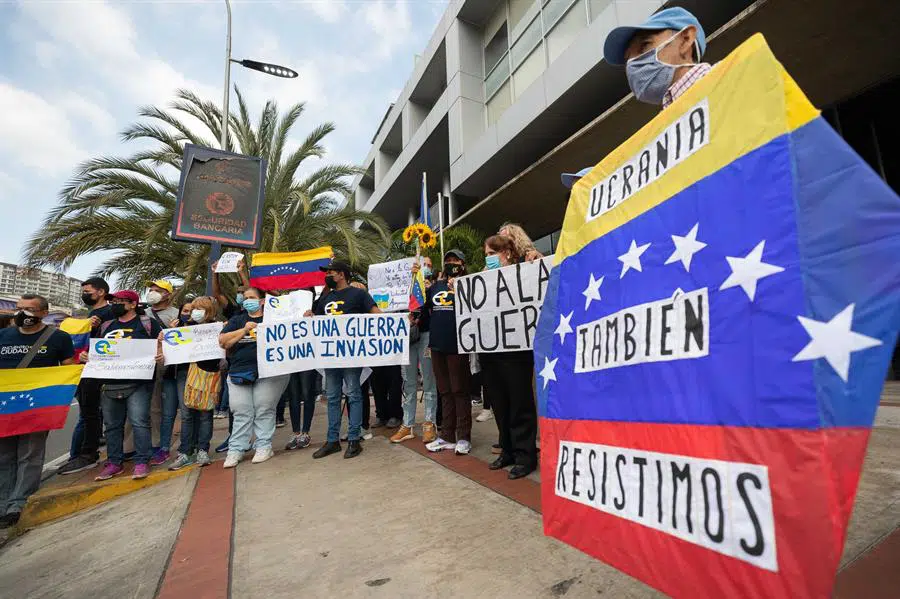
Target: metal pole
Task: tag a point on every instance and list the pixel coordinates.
(216, 249)
(441, 222)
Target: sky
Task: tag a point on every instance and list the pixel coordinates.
(74, 74)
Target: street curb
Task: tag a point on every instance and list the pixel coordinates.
(53, 504)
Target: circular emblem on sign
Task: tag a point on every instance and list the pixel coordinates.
(219, 203)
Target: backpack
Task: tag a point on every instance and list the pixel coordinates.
(145, 321)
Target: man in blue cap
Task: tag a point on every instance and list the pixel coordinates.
(661, 58)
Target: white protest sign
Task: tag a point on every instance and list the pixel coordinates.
(346, 341)
(192, 344)
(121, 359)
(498, 310)
(228, 262)
(389, 284)
(287, 307)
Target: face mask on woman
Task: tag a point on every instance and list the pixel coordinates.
(426, 271)
(118, 310)
(252, 305)
(239, 299)
(198, 315)
(453, 270)
(492, 262)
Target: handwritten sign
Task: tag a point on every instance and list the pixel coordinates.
(498, 310)
(287, 307)
(228, 262)
(192, 344)
(346, 341)
(389, 284)
(121, 359)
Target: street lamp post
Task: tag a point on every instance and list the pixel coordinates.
(275, 70)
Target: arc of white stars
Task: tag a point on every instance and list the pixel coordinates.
(747, 271)
(592, 291)
(632, 258)
(685, 248)
(548, 373)
(834, 340)
(564, 328)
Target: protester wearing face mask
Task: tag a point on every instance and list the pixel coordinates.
(201, 392)
(184, 315)
(233, 305)
(94, 292)
(252, 399)
(170, 379)
(508, 379)
(661, 57)
(22, 456)
(451, 369)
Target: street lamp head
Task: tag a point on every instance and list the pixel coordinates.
(269, 69)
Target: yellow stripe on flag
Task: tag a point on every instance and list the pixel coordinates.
(75, 326)
(771, 106)
(26, 379)
(272, 259)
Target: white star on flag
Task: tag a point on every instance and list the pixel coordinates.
(834, 341)
(547, 373)
(632, 258)
(685, 248)
(564, 327)
(747, 271)
(592, 291)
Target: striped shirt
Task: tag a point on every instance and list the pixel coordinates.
(694, 75)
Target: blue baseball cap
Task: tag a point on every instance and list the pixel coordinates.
(568, 179)
(675, 18)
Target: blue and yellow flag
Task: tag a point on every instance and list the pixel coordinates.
(36, 399)
(80, 331)
(714, 340)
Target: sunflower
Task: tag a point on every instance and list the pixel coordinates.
(420, 229)
(409, 233)
(427, 239)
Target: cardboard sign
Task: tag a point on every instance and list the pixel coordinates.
(389, 284)
(498, 310)
(111, 359)
(350, 340)
(287, 307)
(228, 262)
(184, 345)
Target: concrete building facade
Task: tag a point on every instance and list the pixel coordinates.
(60, 290)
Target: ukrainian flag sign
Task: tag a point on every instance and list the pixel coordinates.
(714, 341)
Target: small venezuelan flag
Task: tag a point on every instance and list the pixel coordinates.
(417, 292)
(291, 270)
(36, 399)
(79, 329)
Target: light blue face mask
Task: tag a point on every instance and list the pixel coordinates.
(252, 305)
(650, 78)
(492, 262)
(239, 299)
(426, 271)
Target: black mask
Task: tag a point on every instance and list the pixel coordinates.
(454, 270)
(23, 320)
(88, 299)
(184, 318)
(118, 310)
(330, 282)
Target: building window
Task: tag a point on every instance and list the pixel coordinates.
(496, 49)
(498, 104)
(562, 31)
(527, 42)
(529, 71)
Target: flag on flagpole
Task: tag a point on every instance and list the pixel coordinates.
(424, 216)
(290, 270)
(36, 399)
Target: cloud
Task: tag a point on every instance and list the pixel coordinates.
(90, 114)
(329, 11)
(390, 21)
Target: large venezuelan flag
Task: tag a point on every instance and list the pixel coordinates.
(36, 399)
(292, 270)
(714, 341)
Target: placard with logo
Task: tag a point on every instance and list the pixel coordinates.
(184, 345)
(121, 359)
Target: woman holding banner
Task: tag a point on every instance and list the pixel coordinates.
(251, 398)
(508, 379)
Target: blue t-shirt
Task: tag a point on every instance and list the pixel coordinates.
(242, 357)
(14, 346)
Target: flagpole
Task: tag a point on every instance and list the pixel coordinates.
(441, 221)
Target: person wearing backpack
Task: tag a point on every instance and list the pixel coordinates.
(129, 398)
(30, 344)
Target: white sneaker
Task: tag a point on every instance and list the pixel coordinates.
(463, 447)
(364, 434)
(203, 458)
(484, 415)
(439, 445)
(232, 459)
(262, 455)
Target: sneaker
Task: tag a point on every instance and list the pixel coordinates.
(364, 434)
(485, 415)
(181, 461)
(496, 449)
(299, 441)
(393, 422)
(9, 520)
(141, 471)
(219, 415)
(76, 465)
(262, 454)
(353, 449)
(223, 447)
(429, 433)
(279, 423)
(327, 449)
(232, 459)
(160, 456)
(109, 470)
(463, 447)
(404, 433)
(379, 423)
(439, 445)
(203, 458)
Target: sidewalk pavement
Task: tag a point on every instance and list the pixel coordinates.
(395, 522)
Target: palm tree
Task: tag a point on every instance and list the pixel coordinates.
(125, 205)
(467, 239)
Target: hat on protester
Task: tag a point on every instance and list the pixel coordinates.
(338, 266)
(456, 254)
(568, 179)
(127, 295)
(675, 18)
(163, 284)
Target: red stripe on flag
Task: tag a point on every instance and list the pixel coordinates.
(812, 476)
(33, 421)
(292, 281)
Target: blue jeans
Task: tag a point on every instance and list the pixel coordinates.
(301, 393)
(334, 380)
(196, 430)
(254, 411)
(418, 359)
(172, 397)
(137, 408)
(77, 439)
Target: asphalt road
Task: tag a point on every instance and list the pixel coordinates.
(59, 440)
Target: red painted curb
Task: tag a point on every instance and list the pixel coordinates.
(200, 565)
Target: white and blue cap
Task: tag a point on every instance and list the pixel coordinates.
(675, 18)
(568, 179)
